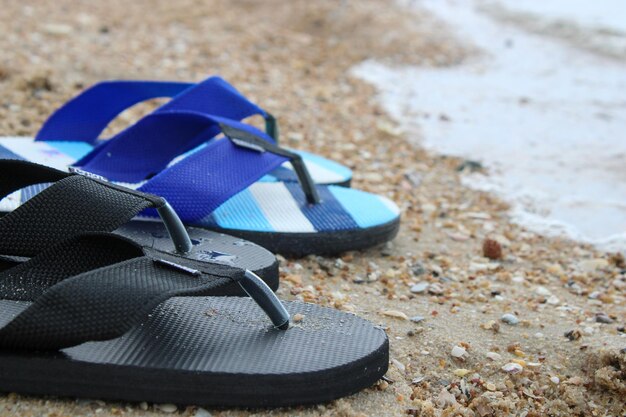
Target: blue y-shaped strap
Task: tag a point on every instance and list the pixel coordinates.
(140, 151)
(83, 118)
(86, 116)
(147, 147)
(202, 181)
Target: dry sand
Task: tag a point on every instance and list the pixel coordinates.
(294, 58)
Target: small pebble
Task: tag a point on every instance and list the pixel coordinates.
(297, 318)
(373, 276)
(469, 165)
(603, 318)
(491, 325)
(461, 372)
(479, 267)
(492, 249)
(418, 269)
(510, 319)
(519, 353)
(518, 279)
(420, 287)
(435, 289)
(395, 314)
(417, 319)
(520, 362)
(512, 368)
(458, 352)
(543, 291)
(458, 236)
(555, 379)
(573, 335)
(415, 178)
(201, 412)
(553, 300)
(57, 29)
(399, 365)
(493, 356)
(417, 379)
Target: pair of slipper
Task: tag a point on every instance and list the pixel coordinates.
(294, 203)
(95, 304)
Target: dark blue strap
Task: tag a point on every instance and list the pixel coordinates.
(215, 96)
(204, 180)
(83, 118)
(146, 148)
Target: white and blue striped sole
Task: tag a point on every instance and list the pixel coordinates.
(266, 206)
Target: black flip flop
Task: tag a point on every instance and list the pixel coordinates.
(100, 316)
(76, 203)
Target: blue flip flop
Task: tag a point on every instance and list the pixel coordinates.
(71, 135)
(216, 185)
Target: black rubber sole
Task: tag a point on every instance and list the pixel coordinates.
(210, 351)
(327, 243)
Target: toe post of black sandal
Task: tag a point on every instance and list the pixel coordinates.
(175, 228)
(259, 291)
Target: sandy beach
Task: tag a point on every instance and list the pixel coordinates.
(484, 317)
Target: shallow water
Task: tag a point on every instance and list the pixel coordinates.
(543, 107)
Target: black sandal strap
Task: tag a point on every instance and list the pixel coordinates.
(30, 279)
(104, 303)
(70, 206)
(98, 304)
(17, 174)
(73, 204)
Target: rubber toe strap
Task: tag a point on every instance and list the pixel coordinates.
(99, 304)
(17, 174)
(73, 204)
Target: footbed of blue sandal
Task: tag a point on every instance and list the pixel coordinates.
(81, 121)
(217, 187)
